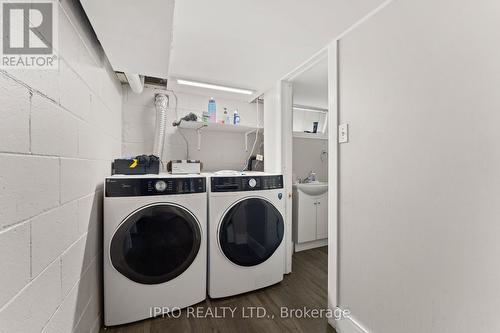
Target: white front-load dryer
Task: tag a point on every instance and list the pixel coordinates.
(246, 233)
(154, 245)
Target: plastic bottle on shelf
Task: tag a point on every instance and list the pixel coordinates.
(205, 117)
(236, 118)
(212, 110)
(227, 118)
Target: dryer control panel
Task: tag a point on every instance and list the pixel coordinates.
(246, 183)
(135, 187)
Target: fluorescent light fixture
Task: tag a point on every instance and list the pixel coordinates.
(310, 109)
(214, 86)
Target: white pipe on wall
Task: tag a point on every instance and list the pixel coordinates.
(135, 81)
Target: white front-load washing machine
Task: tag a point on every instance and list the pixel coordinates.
(154, 245)
(246, 233)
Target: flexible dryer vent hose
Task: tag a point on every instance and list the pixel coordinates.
(161, 105)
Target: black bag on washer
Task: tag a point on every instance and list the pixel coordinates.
(140, 165)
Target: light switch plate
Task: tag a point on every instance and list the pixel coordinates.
(343, 133)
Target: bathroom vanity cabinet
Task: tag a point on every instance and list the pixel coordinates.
(310, 218)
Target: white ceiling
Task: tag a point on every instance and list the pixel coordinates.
(252, 44)
(310, 88)
(129, 33)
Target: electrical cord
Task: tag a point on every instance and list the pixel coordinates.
(257, 162)
(177, 117)
(245, 167)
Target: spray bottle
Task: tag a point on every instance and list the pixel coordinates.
(236, 118)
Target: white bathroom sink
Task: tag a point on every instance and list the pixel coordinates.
(315, 188)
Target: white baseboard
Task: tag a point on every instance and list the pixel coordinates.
(349, 325)
(332, 323)
(310, 245)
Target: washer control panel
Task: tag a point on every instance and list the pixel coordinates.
(135, 187)
(246, 183)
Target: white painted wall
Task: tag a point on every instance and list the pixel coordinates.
(219, 150)
(307, 156)
(272, 128)
(419, 199)
(59, 131)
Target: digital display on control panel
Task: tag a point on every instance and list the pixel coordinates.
(128, 187)
(246, 183)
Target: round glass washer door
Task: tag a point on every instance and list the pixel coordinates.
(156, 243)
(251, 231)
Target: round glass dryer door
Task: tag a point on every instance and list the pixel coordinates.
(251, 231)
(155, 244)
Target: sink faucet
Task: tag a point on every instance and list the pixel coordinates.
(310, 178)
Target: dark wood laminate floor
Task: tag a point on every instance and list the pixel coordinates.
(306, 286)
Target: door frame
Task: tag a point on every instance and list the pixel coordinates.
(333, 179)
(286, 95)
(286, 99)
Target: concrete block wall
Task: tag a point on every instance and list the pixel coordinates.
(59, 130)
(219, 150)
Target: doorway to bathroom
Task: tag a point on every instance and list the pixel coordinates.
(309, 113)
(308, 110)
